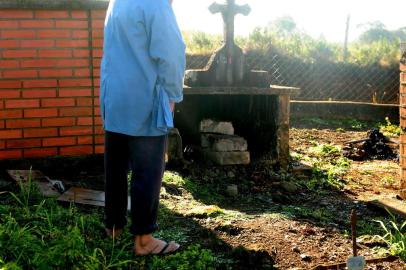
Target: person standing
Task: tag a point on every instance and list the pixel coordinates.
(142, 73)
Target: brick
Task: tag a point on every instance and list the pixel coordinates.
(98, 130)
(97, 33)
(59, 141)
(76, 150)
(39, 93)
(80, 34)
(96, 92)
(55, 73)
(4, 64)
(72, 63)
(81, 53)
(101, 14)
(19, 54)
(23, 123)
(403, 122)
(97, 53)
(58, 122)
(51, 14)
(55, 53)
(75, 111)
(72, 24)
(8, 24)
(75, 82)
(81, 72)
(10, 114)
(85, 121)
(9, 34)
(2, 124)
(21, 74)
(85, 140)
(97, 111)
(24, 143)
(1, 104)
(79, 14)
(40, 132)
(99, 139)
(98, 24)
(84, 102)
(96, 82)
(98, 121)
(403, 89)
(8, 154)
(10, 134)
(96, 62)
(99, 149)
(75, 92)
(37, 43)
(75, 131)
(9, 93)
(16, 14)
(403, 77)
(40, 152)
(402, 67)
(37, 24)
(38, 63)
(8, 44)
(2, 144)
(54, 34)
(96, 72)
(78, 43)
(97, 43)
(34, 113)
(58, 102)
(22, 103)
(40, 83)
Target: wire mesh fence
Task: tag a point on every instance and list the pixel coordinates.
(323, 80)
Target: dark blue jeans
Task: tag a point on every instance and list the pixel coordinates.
(145, 157)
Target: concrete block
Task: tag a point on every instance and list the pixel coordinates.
(210, 126)
(223, 143)
(228, 158)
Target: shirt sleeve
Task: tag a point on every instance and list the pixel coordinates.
(168, 50)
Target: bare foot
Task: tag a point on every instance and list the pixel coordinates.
(149, 245)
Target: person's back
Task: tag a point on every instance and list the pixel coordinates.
(143, 49)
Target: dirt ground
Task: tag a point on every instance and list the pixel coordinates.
(303, 243)
(269, 225)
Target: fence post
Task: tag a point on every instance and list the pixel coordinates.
(402, 107)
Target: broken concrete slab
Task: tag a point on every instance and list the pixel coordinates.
(210, 126)
(223, 143)
(228, 158)
(390, 204)
(45, 186)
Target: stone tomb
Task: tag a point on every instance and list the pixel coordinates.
(226, 90)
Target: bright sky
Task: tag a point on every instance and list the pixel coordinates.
(316, 17)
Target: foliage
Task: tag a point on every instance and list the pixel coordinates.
(394, 237)
(194, 258)
(375, 46)
(389, 129)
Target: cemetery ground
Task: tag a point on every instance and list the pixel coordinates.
(278, 220)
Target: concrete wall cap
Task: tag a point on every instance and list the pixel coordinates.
(53, 4)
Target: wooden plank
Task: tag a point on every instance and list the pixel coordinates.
(393, 205)
(38, 178)
(227, 90)
(86, 197)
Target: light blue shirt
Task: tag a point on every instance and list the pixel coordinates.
(142, 68)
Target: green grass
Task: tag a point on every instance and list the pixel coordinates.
(39, 233)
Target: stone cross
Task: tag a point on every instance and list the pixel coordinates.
(228, 11)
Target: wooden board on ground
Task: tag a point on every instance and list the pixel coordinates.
(85, 196)
(393, 205)
(38, 178)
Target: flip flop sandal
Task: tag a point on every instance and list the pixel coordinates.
(167, 245)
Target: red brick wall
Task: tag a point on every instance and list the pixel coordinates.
(49, 82)
(403, 125)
